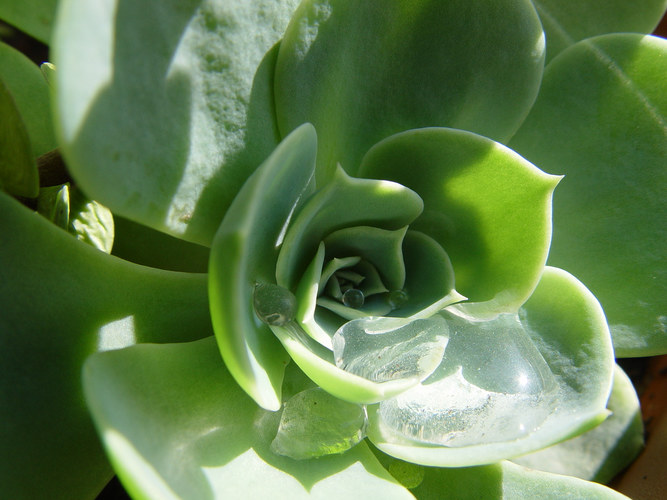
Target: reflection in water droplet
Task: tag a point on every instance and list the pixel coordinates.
(397, 298)
(493, 385)
(353, 298)
(314, 424)
(382, 349)
(274, 305)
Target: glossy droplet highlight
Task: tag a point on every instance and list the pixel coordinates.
(397, 298)
(274, 305)
(382, 349)
(315, 423)
(493, 385)
(353, 298)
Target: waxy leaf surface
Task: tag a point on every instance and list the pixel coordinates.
(489, 209)
(566, 23)
(601, 119)
(166, 108)
(361, 71)
(61, 301)
(244, 254)
(176, 425)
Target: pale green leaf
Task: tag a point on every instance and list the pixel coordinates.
(601, 120)
(361, 71)
(504, 480)
(244, 253)
(176, 425)
(166, 108)
(489, 209)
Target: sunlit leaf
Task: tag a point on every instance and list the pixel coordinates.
(565, 23)
(601, 120)
(361, 71)
(62, 300)
(489, 209)
(175, 109)
(176, 425)
(244, 253)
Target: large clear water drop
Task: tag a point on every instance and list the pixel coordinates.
(274, 305)
(493, 385)
(382, 349)
(315, 423)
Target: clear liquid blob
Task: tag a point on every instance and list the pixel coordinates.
(273, 304)
(493, 385)
(315, 423)
(382, 349)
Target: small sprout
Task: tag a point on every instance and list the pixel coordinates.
(353, 298)
(274, 305)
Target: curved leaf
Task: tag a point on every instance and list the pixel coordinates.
(568, 327)
(601, 120)
(361, 71)
(244, 252)
(175, 110)
(62, 300)
(489, 209)
(143, 245)
(344, 202)
(601, 453)
(35, 17)
(32, 97)
(18, 170)
(504, 480)
(566, 23)
(176, 425)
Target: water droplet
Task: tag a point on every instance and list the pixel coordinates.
(397, 298)
(315, 423)
(274, 305)
(353, 298)
(382, 349)
(493, 385)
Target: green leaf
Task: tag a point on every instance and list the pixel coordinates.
(18, 170)
(600, 120)
(489, 209)
(568, 327)
(32, 97)
(53, 203)
(361, 71)
(62, 300)
(244, 253)
(601, 453)
(146, 246)
(176, 425)
(317, 362)
(176, 108)
(90, 221)
(566, 23)
(493, 482)
(34, 17)
(343, 202)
